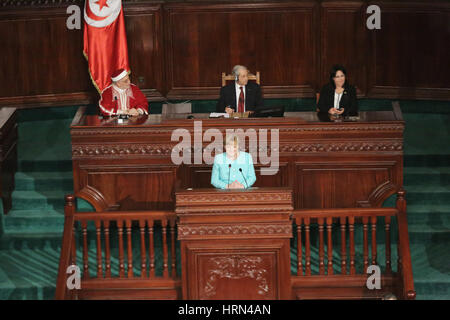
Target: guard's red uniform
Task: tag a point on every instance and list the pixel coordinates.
(111, 103)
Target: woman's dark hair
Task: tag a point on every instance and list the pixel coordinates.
(334, 70)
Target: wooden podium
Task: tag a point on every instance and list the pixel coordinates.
(235, 243)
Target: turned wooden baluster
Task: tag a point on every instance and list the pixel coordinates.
(307, 248)
(373, 222)
(351, 229)
(85, 250)
(165, 254)
(404, 254)
(343, 247)
(98, 230)
(130, 252)
(321, 248)
(329, 246)
(121, 254)
(73, 256)
(365, 221)
(387, 222)
(151, 248)
(107, 250)
(172, 247)
(298, 221)
(143, 250)
(399, 256)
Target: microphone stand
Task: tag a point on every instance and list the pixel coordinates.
(246, 184)
(229, 171)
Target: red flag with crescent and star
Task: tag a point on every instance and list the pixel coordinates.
(105, 41)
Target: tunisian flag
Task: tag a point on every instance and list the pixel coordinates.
(105, 41)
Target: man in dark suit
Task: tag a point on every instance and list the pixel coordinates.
(241, 95)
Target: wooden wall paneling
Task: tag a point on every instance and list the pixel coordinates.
(144, 187)
(145, 46)
(280, 179)
(276, 39)
(199, 176)
(42, 61)
(178, 50)
(325, 185)
(343, 41)
(42, 71)
(409, 55)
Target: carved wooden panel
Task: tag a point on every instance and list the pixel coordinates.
(133, 187)
(328, 185)
(115, 150)
(226, 275)
(342, 147)
(234, 271)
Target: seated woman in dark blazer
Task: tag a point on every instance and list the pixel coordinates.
(338, 97)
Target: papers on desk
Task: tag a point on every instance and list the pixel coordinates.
(218, 115)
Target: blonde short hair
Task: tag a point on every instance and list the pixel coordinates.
(232, 139)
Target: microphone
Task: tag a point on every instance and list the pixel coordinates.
(229, 170)
(115, 101)
(240, 170)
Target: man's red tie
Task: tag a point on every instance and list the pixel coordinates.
(241, 101)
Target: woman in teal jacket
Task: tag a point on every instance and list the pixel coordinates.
(233, 169)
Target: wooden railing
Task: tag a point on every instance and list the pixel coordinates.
(350, 282)
(337, 271)
(346, 219)
(122, 226)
